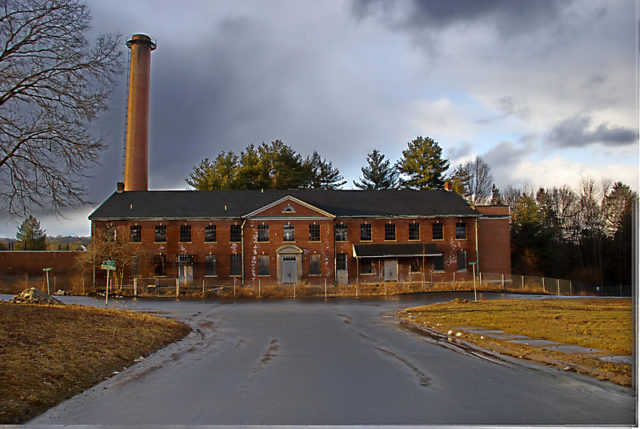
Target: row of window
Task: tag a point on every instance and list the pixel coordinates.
(288, 232)
(366, 265)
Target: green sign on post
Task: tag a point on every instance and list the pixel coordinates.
(108, 265)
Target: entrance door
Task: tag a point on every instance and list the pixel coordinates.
(185, 273)
(289, 269)
(390, 270)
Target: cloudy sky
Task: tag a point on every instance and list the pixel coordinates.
(545, 92)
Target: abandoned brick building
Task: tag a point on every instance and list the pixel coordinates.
(293, 236)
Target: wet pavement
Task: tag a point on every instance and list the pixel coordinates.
(343, 361)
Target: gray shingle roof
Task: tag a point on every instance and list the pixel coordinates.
(235, 204)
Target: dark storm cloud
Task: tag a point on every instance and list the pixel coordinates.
(574, 132)
(509, 17)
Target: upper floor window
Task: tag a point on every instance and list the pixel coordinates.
(365, 232)
(341, 232)
(461, 231)
(210, 233)
(161, 233)
(314, 232)
(288, 233)
(185, 233)
(110, 233)
(414, 231)
(263, 232)
(389, 231)
(136, 233)
(437, 231)
(235, 233)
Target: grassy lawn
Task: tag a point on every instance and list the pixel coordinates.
(51, 353)
(600, 323)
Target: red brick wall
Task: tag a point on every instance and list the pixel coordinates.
(25, 262)
(494, 239)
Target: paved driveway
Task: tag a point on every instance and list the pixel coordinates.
(336, 362)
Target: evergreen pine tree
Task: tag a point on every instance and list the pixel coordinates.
(423, 165)
(31, 236)
(378, 174)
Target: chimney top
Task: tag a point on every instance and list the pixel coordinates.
(448, 186)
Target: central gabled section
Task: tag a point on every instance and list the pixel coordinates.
(289, 207)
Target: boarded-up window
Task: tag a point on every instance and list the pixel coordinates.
(341, 232)
(236, 265)
(314, 232)
(263, 265)
(365, 266)
(263, 232)
(462, 260)
(288, 233)
(136, 233)
(416, 265)
(390, 231)
(185, 233)
(210, 265)
(160, 265)
(461, 231)
(341, 261)
(161, 233)
(314, 265)
(414, 231)
(235, 233)
(365, 232)
(210, 233)
(438, 263)
(437, 231)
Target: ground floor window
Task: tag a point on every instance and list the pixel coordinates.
(416, 265)
(462, 260)
(160, 265)
(314, 265)
(236, 265)
(210, 266)
(263, 265)
(341, 261)
(438, 263)
(366, 266)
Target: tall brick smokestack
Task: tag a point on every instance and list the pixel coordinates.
(136, 175)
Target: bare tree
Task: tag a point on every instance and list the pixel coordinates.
(53, 84)
(474, 181)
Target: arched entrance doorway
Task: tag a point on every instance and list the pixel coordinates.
(289, 263)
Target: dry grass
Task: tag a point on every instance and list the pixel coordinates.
(600, 323)
(51, 353)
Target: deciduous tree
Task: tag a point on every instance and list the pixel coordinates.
(53, 85)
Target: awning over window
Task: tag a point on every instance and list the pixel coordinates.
(401, 250)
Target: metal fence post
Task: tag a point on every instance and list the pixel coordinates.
(177, 287)
(294, 289)
(480, 280)
(522, 282)
(570, 288)
(135, 287)
(203, 287)
(454, 280)
(356, 289)
(558, 285)
(544, 288)
(325, 288)
(259, 288)
(234, 287)
(502, 281)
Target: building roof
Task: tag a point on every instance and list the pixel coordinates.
(236, 204)
(395, 250)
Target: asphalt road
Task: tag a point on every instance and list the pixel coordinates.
(336, 362)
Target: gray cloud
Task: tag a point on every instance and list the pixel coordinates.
(509, 107)
(573, 132)
(506, 155)
(510, 18)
